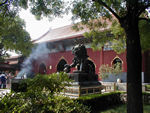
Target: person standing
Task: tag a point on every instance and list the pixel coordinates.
(3, 80)
(9, 77)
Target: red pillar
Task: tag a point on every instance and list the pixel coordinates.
(101, 57)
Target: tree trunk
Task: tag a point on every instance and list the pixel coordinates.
(134, 67)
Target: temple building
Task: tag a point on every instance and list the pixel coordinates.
(60, 42)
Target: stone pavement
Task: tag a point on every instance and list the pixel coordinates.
(3, 92)
(6, 90)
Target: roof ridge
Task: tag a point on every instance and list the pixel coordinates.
(41, 36)
(50, 31)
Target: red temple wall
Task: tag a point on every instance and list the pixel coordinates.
(98, 57)
(53, 59)
(109, 56)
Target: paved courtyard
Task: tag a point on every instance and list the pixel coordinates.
(4, 91)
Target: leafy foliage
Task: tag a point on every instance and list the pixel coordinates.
(105, 101)
(144, 27)
(128, 14)
(103, 26)
(147, 87)
(39, 8)
(13, 35)
(122, 109)
(105, 70)
(100, 102)
(54, 83)
(43, 95)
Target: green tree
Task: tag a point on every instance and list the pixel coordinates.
(128, 13)
(105, 70)
(13, 35)
(43, 95)
(39, 8)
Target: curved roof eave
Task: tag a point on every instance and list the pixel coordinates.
(65, 32)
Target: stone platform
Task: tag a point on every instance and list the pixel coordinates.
(80, 89)
(83, 84)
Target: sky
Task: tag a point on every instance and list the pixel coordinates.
(37, 28)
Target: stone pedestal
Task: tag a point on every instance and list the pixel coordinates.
(18, 86)
(83, 84)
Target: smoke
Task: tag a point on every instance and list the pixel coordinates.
(40, 51)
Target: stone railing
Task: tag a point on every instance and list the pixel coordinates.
(114, 86)
(76, 91)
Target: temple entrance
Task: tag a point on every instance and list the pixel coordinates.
(42, 69)
(117, 62)
(60, 65)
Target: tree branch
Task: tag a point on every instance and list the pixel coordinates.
(143, 9)
(1, 4)
(146, 19)
(107, 7)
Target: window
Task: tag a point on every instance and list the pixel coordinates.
(60, 65)
(117, 63)
(42, 69)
